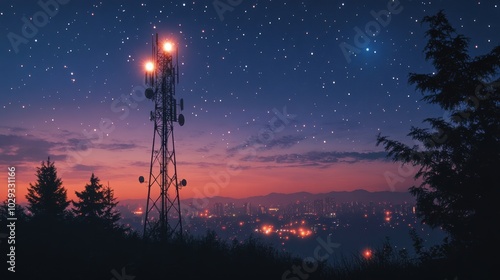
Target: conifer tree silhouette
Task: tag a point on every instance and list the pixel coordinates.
(459, 155)
(47, 198)
(96, 205)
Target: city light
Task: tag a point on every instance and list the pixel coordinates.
(267, 229)
(304, 232)
(387, 216)
(367, 254)
(138, 211)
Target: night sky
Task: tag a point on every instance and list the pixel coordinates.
(288, 91)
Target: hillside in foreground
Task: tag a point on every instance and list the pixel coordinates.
(74, 251)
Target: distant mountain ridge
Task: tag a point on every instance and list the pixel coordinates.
(275, 199)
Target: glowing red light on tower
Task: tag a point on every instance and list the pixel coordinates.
(149, 66)
(168, 46)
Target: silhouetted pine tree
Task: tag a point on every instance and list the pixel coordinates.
(459, 156)
(90, 205)
(47, 199)
(47, 236)
(110, 215)
(96, 205)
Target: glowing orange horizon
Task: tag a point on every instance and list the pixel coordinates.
(202, 186)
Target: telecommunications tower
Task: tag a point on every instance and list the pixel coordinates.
(163, 207)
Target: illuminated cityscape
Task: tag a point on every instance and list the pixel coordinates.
(292, 226)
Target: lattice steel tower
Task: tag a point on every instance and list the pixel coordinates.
(163, 207)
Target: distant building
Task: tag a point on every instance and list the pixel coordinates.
(319, 207)
(230, 209)
(248, 209)
(273, 210)
(219, 209)
(330, 206)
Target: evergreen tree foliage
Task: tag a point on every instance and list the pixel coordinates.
(111, 215)
(96, 204)
(90, 204)
(47, 198)
(458, 156)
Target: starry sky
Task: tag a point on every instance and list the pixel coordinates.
(280, 96)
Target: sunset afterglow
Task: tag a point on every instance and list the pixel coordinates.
(233, 139)
(263, 112)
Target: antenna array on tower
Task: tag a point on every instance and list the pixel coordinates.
(163, 209)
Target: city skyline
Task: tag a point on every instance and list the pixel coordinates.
(279, 97)
(296, 225)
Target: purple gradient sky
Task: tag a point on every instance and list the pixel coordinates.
(238, 74)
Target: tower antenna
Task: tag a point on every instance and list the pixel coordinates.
(163, 207)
